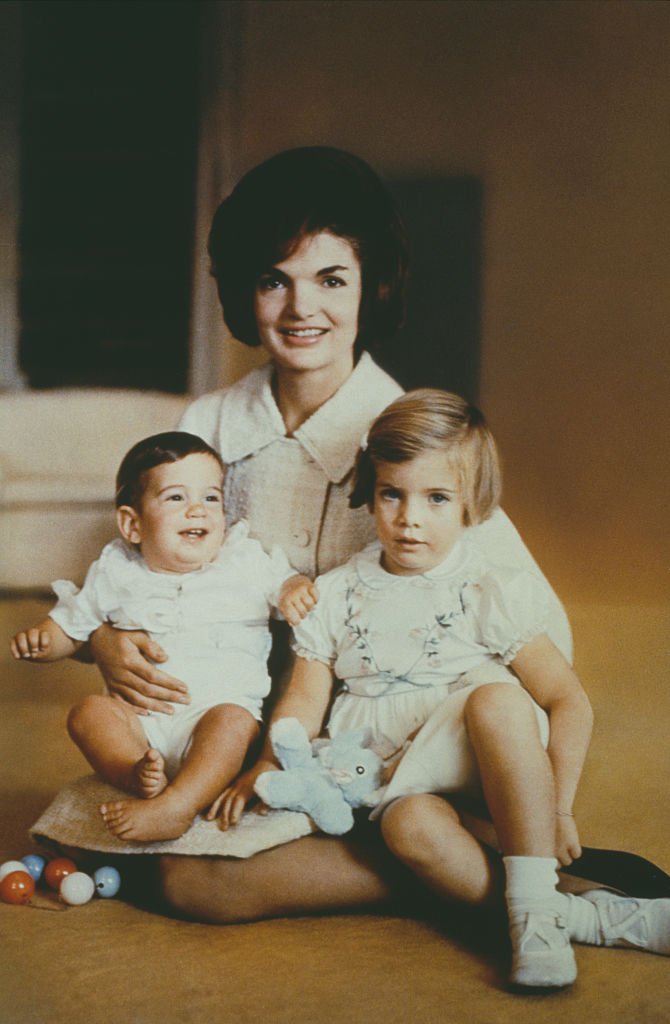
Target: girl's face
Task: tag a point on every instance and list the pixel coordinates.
(179, 526)
(307, 307)
(418, 510)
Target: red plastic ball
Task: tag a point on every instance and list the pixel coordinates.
(17, 887)
(56, 870)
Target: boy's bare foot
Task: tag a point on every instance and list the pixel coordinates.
(147, 821)
(149, 778)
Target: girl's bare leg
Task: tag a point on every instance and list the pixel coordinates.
(316, 874)
(518, 784)
(426, 833)
(218, 748)
(515, 770)
(109, 735)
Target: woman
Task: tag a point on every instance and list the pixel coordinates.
(309, 258)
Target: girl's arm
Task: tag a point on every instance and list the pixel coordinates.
(306, 698)
(126, 660)
(553, 684)
(44, 642)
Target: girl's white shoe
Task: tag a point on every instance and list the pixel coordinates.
(631, 922)
(542, 956)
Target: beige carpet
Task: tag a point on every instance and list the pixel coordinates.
(112, 963)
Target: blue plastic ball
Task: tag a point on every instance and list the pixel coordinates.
(35, 865)
(107, 882)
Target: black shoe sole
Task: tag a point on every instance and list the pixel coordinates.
(617, 869)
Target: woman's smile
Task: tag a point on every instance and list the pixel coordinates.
(303, 335)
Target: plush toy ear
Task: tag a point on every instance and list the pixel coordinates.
(363, 736)
(386, 748)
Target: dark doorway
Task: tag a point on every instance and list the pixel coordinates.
(439, 344)
(108, 161)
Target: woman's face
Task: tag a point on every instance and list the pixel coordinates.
(307, 307)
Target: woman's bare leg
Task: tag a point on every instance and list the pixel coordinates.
(312, 875)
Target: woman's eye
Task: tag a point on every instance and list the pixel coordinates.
(439, 499)
(334, 282)
(389, 494)
(174, 497)
(270, 283)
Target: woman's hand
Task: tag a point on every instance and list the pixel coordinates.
(568, 847)
(298, 596)
(234, 799)
(126, 659)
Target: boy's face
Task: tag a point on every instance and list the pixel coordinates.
(419, 512)
(180, 524)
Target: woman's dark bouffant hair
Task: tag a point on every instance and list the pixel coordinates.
(170, 446)
(295, 194)
(432, 420)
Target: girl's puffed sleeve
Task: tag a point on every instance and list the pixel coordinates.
(511, 608)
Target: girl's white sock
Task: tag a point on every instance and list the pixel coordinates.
(583, 920)
(530, 878)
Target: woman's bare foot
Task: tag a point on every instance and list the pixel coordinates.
(149, 778)
(147, 821)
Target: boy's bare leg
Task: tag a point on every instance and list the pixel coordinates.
(218, 748)
(111, 738)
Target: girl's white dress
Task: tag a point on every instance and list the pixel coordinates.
(213, 624)
(402, 647)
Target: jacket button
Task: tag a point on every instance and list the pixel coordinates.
(302, 538)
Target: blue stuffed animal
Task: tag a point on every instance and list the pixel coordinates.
(324, 779)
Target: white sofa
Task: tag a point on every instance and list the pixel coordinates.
(59, 453)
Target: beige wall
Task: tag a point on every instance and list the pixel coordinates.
(563, 109)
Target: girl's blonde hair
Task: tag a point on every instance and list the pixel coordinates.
(431, 420)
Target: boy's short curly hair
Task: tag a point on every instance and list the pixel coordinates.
(432, 420)
(170, 446)
(291, 196)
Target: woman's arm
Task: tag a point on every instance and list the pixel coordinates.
(126, 660)
(553, 684)
(306, 698)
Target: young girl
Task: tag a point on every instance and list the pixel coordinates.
(400, 625)
(207, 599)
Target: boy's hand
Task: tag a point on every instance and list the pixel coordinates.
(298, 597)
(44, 642)
(568, 847)
(33, 644)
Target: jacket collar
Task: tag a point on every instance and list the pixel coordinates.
(331, 436)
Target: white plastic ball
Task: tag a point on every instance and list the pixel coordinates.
(77, 889)
(12, 865)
